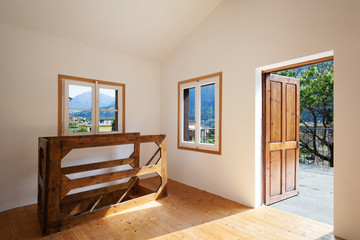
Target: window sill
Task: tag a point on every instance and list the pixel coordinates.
(217, 152)
(90, 133)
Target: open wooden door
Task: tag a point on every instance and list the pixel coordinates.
(282, 122)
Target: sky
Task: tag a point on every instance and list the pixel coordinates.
(75, 90)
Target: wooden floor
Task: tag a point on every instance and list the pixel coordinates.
(187, 213)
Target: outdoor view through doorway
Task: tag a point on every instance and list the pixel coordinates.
(305, 187)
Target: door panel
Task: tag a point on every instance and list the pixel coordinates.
(290, 112)
(282, 122)
(275, 166)
(275, 114)
(290, 169)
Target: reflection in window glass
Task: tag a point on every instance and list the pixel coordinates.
(189, 115)
(79, 121)
(207, 114)
(108, 121)
(108, 98)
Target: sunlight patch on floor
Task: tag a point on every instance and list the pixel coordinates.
(260, 223)
(149, 205)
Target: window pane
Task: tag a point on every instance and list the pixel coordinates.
(80, 121)
(80, 96)
(108, 98)
(189, 115)
(108, 121)
(207, 114)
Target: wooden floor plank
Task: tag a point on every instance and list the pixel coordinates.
(187, 213)
(171, 216)
(4, 225)
(20, 225)
(256, 229)
(31, 213)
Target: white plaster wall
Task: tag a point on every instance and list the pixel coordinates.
(238, 37)
(29, 64)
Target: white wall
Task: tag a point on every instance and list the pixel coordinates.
(29, 65)
(238, 37)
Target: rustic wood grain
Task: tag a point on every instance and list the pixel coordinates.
(282, 117)
(57, 210)
(97, 165)
(187, 213)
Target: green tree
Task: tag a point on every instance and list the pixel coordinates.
(71, 124)
(316, 108)
(82, 129)
(114, 125)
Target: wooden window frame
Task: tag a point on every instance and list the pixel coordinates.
(197, 146)
(95, 105)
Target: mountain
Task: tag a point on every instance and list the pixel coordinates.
(84, 101)
(207, 105)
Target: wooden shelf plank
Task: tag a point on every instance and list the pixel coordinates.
(97, 165)
(67, 185)
(95, 192)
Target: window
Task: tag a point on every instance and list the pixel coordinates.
(88, 106)
(199, 114)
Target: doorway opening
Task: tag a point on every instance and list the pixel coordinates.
(297, 138)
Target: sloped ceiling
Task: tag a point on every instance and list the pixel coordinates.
(149, 29)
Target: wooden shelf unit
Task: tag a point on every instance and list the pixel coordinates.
(59, 210)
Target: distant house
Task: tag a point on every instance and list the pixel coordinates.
(105, 124)
(73, 119)
(205, 131)
(106, 121)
